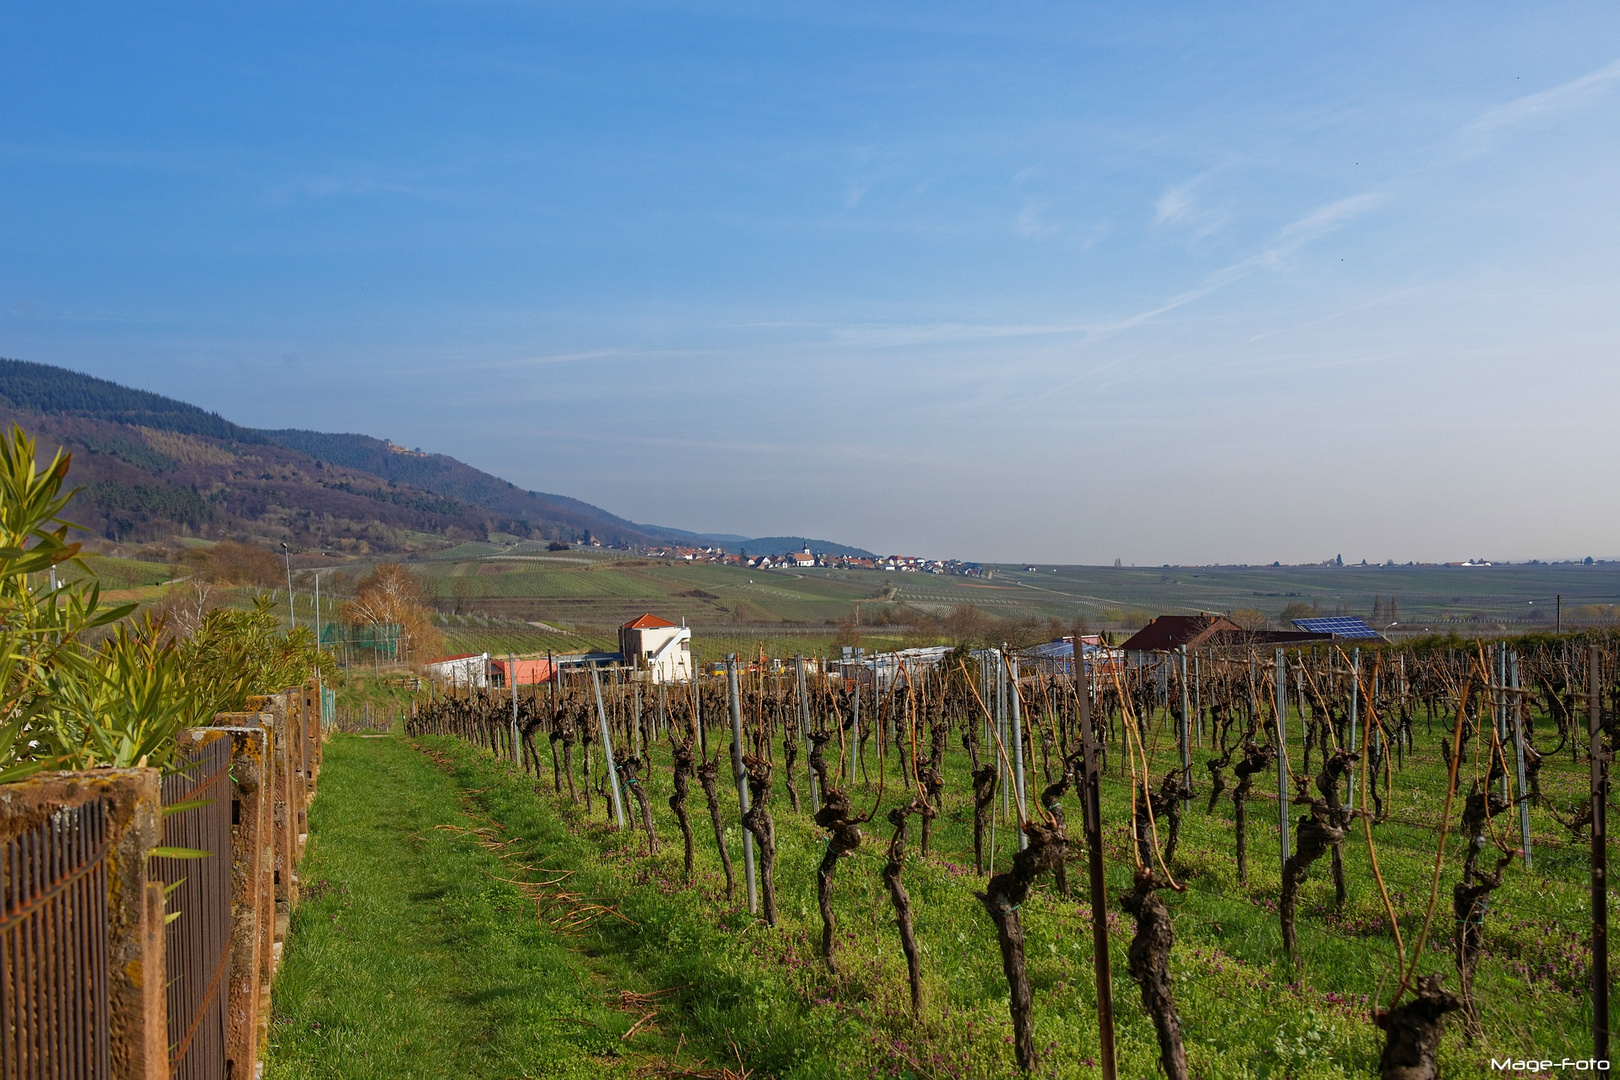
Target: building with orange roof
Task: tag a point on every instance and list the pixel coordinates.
(658, 647)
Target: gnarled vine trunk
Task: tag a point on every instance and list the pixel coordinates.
(902, 899)
(1313, 835)
(1150, 967)
(682, 755)
(1412, 1032)
(630, 773)
(757, 820)
(1002, 898)
(843, 837)
(1470, 900)
(984, 794)
(567, 740)
(1334, 768)
(1255, 758)
(708, 774)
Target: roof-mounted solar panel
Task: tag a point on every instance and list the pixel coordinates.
(1344, 626)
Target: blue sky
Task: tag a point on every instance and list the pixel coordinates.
(1023, 281)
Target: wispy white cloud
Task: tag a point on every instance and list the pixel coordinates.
(1032, 222)
(1185, 209)
(1321, 221)
(1531, 107)
(1178, 202)
(1175, 202)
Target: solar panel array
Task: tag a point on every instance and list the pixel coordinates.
(1345, 626)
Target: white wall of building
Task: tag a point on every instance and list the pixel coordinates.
(664, 651)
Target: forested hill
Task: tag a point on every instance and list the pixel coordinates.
(456, 479)
(41, 388)
(152, 466)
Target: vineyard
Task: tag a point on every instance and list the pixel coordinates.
(831, 877)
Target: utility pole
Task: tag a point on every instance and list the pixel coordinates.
(318, 574)
(320, 685)
(292, 616)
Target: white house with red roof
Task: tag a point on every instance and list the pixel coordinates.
(463, 670)
(659, 647)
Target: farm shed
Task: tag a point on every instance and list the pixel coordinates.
(1057, 657)
(466, 669)
(525, 671)
(1169, 633)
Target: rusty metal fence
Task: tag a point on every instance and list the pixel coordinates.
(197, 940)
(118, 959)
(54, 1011)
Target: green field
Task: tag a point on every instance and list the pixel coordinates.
(588, 593)
(116, 573)
(489, 596)
(1430, 597)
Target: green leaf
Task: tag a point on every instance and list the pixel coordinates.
(178, 853)
(189, 804)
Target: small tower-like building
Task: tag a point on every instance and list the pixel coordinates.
(658, 647)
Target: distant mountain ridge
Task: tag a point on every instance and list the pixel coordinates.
(151, 465)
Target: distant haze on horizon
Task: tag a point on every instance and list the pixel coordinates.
(1043, 283)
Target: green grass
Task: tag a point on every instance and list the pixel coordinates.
(116, 573)
(412, 957)
(1440, 597)
(500, 636)
(389, 696)
(593, 587)
(1246, 1013)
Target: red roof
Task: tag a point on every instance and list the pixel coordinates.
(1171, 631)
(648, 622)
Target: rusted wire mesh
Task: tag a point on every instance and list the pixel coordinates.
(53, 948)
(198, 942)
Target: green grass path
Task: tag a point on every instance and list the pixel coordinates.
(409, 957)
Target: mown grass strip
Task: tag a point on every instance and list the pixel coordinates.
(411, 957)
